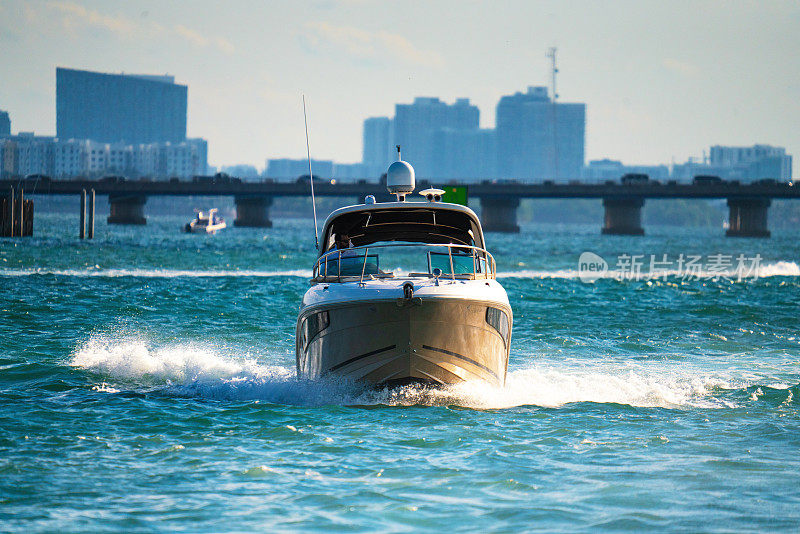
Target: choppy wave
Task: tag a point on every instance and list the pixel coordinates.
(781, 268)
(155, 273)
(188, 369)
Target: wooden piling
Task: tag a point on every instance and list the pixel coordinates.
(21, 213)
(5, 216)
(91, 215)
(11, 212)
(27, 230)
(83, 214)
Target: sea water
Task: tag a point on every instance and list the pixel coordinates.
(147, 383)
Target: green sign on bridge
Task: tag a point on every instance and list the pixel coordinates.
(457, 194)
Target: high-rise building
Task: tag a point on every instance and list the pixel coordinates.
(468, 155)
(415, 124)
(743, 163)
(26, 153)
(599, 170)
(348, 172)
(199, 155)
(753, 162)
(119, 108)
(731, 156)
(378, 148)
(69, 158)
(5, 124)
(538, 138)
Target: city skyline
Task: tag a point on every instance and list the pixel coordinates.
(658, 81)
(535, 138)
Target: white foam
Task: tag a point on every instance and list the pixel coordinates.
(781, 268)
(155, 273)
(554, 387)
(188, 369)
(132, 359)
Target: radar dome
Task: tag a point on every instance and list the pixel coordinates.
(400, 179)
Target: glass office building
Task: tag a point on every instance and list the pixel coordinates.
(119, 108)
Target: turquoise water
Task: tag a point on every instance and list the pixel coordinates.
(147, 384)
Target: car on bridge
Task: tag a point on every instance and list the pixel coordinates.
(707, 179)
(113, 179)
(38, 177)
(317, 180)
(219, 178)
(634, 179)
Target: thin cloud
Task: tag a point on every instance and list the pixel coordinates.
(224, 45)
(75, 12)
(75, 15)
(199, 40)
(369, 45)
(680, 67)
(193, 37)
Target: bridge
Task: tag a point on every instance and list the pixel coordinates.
(748, 203)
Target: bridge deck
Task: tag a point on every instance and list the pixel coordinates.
(479, 190)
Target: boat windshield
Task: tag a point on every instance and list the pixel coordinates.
(404, 260)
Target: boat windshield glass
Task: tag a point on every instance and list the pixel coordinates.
(393, 259)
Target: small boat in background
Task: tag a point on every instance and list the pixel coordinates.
(205, 223)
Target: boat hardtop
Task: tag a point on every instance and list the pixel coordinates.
(413, 222)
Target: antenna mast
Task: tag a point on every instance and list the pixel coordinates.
(551, 53)
(310, 175)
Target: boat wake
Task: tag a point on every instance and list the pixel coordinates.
(155, 273)
(200, 371)
(767, 270)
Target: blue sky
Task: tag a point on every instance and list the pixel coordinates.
(662, 80)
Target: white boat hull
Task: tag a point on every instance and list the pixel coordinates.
(207, 229)
(428, 338)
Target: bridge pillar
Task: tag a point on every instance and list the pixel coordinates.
(500, 214)
(748, 217)
(126, 209)
(623, 216)
(253, 212)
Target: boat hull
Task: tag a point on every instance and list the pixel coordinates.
(422, 339)
(207, 229)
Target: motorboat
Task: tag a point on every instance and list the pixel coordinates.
(205, 223)
(404, 292)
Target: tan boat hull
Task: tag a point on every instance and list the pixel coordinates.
(433, 340)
